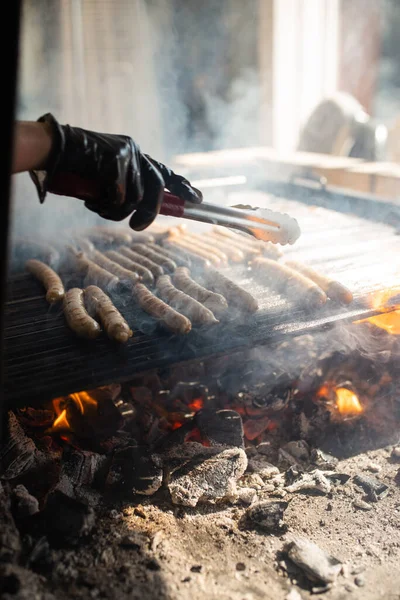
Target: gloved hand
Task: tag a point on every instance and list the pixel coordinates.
(108, 172)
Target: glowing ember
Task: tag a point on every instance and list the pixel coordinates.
(388, 302)
(196, 405)
(347, 402)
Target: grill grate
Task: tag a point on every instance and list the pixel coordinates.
(43, 359)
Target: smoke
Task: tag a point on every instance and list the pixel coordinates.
(176, 77)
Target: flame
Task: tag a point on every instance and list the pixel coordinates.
(347, 402)
(385, 301)
(83, 401)
(61, 423)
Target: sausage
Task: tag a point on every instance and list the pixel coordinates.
(236, 295)
(214, 302)
(176, 256)
(93, 273)
(183, 303)
(333, 289)
(246, 243)
(153, 254)
(49, 278)
(155, 269)
(26, 248)
(77, 317)
(84, 245)
(113, 322)
(106, 263)
(194, 258)
(170, 318)
(235, 254)
(195, 249)
(290, 283)
(201, 242)
(145, 275)
(124, 235)
(116, 235)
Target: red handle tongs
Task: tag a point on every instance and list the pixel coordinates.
(263, 224)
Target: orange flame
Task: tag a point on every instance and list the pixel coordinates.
(61, 423)
(84, 402)
(347, 402)
(340, 400)
(385, 301)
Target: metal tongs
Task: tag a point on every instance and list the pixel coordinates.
(261, 223)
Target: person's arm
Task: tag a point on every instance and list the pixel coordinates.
(32, 145)
(108, 172)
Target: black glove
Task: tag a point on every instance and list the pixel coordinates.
(108, 172)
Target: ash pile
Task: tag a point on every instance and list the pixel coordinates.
(241, 430)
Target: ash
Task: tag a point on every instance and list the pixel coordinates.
(239, 478)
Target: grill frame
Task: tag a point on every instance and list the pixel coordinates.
(70, 365)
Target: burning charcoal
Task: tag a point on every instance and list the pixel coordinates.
(136, 471)
(313, 481)
(67, 519)
(221, 427)
(376, 490)
(24, 504)
(323, 460)
(204, 474)
(267, 515)
(316, 563)
(190, 391)
(80, 471)
(18, 453)
(88, 418)
(10, 544)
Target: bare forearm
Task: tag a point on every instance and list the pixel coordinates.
(32, 145)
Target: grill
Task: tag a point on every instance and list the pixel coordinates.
(43, 359)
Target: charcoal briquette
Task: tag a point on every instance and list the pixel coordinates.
(267, 515)
(375, 489)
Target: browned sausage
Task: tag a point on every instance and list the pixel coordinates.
(49, 278)
(77, 317)
(333, 289)
(127, 263)
(155, 256)
(246, 243)
(142, 260)
(93, 273)
(201, 242)
(183, 303)
(214, 302)
(177, 257)
(235, 294)
(194, 258)
(194, 248)
(124, 235)
(290, 283)
(113, 322)
(113, 267)
(155, 307)
(231, 252)
(36, 249)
